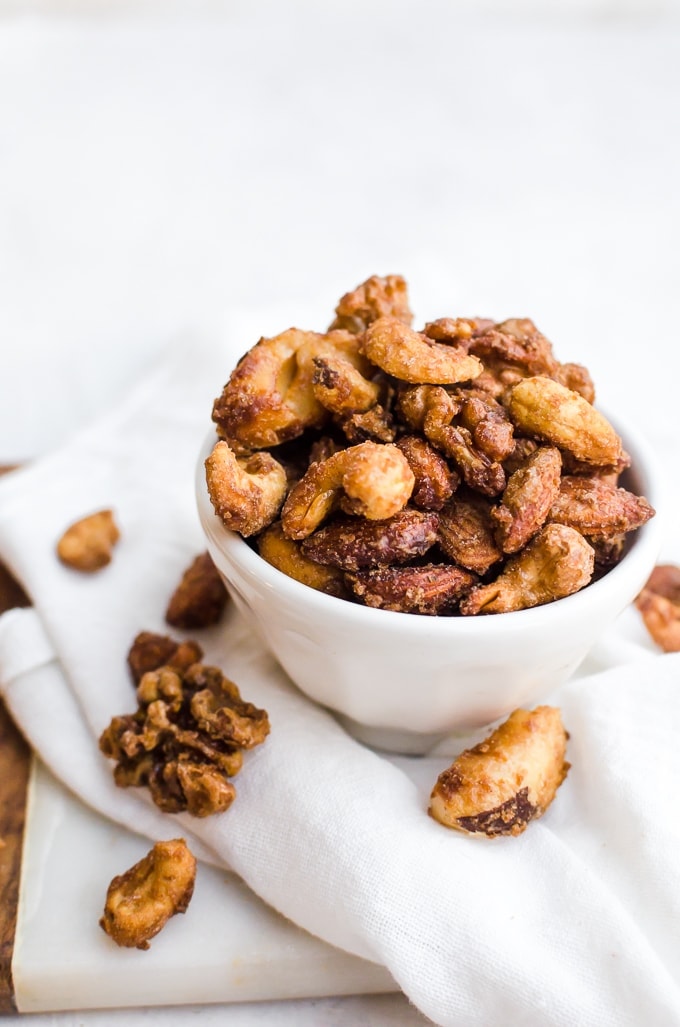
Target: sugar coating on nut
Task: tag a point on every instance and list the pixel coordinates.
(141, 901)
(425, 589)
(352, 543)
(556, 563)
(659, 604)
(504, 782)
(413, 357)
(268, 397)
(542, 407)
(87, 545)
(150, 651)
(466, 533)
(246, 492)
(375, 479)
(200, 597)
(187, 736)
(288, 556)
(528, 498)
(372, 421)
(598, 510)
(374, 298)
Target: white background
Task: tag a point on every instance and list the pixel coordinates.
(167, 167)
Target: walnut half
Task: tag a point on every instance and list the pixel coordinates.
(186, 738)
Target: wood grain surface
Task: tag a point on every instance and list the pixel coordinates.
(15, 764)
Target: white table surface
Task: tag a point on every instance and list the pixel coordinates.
(160, 170)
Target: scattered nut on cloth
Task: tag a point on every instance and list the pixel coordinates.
(577, 920)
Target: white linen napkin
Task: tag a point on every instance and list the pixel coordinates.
(577, 921)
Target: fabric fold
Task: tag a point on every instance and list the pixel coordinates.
(575, 921)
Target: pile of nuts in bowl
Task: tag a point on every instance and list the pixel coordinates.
(457, 470)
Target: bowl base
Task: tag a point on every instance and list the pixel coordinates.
(392, 740)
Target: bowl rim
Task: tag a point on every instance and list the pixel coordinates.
(646, 540)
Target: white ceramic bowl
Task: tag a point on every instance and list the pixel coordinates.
(400, 681)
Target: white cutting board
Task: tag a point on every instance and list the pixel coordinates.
(227, 947)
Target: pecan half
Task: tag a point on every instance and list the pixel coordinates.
(429, 589)
(351, 543)
(200, 598)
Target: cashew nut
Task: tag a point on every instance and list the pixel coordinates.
(246, 492)
(547, 410)
(413, 357)
(376, 480)
(269, 397)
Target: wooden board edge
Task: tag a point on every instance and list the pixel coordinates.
(15, 766)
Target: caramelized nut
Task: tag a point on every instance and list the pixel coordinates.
(429, 589)
(556, 563)
(506, 781)
(87, 544)
(200, 598)
(542, 407)
(659, 604)
(352, 543)
(141, 901)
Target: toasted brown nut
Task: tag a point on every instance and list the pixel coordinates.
(219, 710)
(457, 330)
(413, 357)
(522, 449)
(340, 387)
(374, 298)
(435, 481)
(577, 378)
(608, 552)
(287, 556)
(376, 481)
(529, 495)
(556, 563)
(490, 428)
(268, 398)
(659, 604)
(246, 492)
(198, 788)
(428, 589)
(150, 651)
(87, 544)
(187, 735)
(506, 781)
(200, 598)
(515, 345)
(542, 407)
(466, 533)
(141, 901)
(598, 510)
(374, 425)
(352, 543)
(431, 409)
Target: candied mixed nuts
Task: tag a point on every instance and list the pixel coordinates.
(461, 469)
